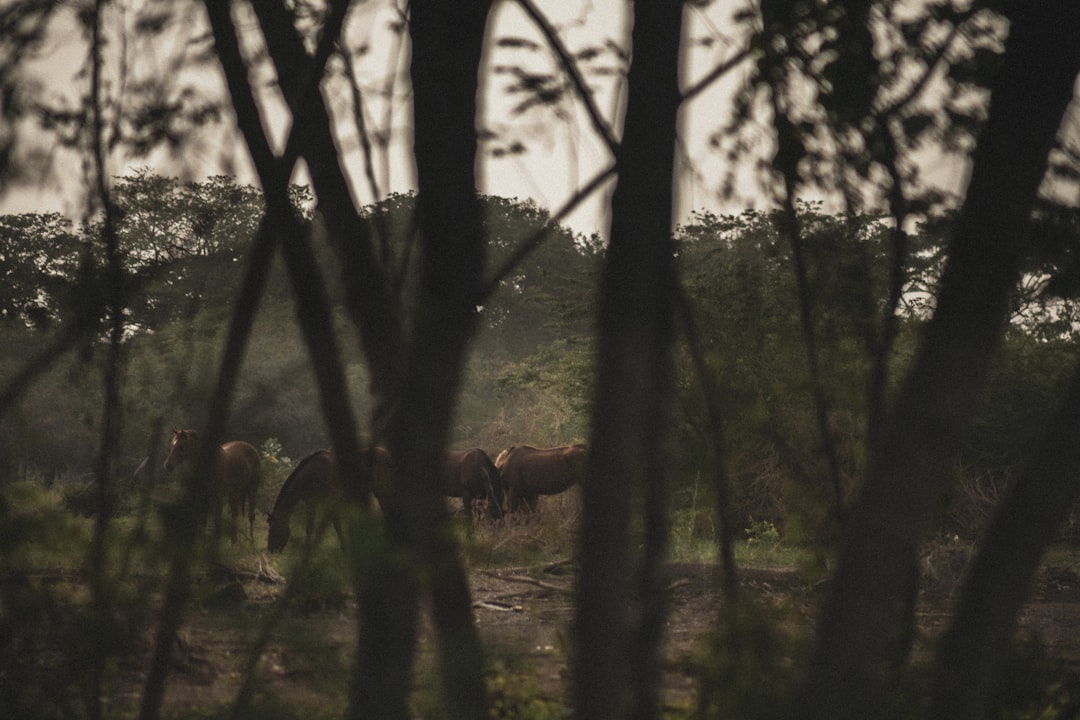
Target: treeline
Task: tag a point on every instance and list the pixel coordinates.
(531, 365)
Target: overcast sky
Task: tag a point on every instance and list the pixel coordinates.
(558, 150)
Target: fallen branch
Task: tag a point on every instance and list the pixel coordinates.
(267, 573)
(530, 581)
(501, 607)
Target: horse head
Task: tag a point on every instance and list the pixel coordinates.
(277, 534)
(184, 444)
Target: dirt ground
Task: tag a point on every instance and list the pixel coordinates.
(524, 617)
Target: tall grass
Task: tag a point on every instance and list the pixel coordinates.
(695, 538)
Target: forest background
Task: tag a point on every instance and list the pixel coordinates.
(528, 379)
(839, 374)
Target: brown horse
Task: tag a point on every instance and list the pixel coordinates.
(528, 472)
(470, 475)
(315, 481)
(236, 473)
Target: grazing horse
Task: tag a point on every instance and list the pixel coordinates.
(315, 480)
(470, 475)
(528, 472)
(236, 473)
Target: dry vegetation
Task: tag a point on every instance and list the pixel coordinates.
(276, 634)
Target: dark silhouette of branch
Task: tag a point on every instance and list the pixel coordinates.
(715, 74)
(715, 440)
(931, 70)
(787, 157)
(369, 300)
(313, 304)
(863, 620)
(534, 241)
(621, 603)
(195, 503)
(110, 422)
(274, 174)
(569, 66)
(1027, 521)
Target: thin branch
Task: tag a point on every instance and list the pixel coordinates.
(924, 80)
(362, 132)
(715, 74)
(194, 506)
(531, 581)
(786, 161)
(602, 128)
(369, 301)
(540, 235)
(715, 443)
(110, 421)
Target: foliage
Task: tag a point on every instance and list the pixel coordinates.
(746, 666)
(530, 376)
(1037, 685)
(738, 277)
(514, 696)
(39, 257)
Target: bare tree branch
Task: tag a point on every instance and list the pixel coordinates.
(569, 66)
(533, 242)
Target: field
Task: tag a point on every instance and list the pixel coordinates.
(288, 653)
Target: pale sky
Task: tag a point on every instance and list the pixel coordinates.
(560, 150)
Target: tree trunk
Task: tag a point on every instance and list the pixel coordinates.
(862, 623)
(415, 380)
(374, 310)
(615, 665)
(447, 43)
(969, 662)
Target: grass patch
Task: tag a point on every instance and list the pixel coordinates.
(526, 539)
(695, 539)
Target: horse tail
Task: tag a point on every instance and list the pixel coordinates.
(256, 472)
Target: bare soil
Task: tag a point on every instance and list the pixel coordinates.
(524, 616)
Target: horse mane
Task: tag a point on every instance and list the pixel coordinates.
(495, 489)
(294, 474)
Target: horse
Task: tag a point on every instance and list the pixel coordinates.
(470, 475)
(528, 472)
(236, 473)
(315, 480)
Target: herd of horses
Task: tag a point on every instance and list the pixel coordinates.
(511, 483)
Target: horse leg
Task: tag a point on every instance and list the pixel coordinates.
(309, 525)
(216, 509)
(508, 504)
(251, 511)
(235, 503)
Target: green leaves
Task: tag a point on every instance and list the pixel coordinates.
(39, 256)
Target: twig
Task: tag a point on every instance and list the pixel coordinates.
(530, 581)
(501, 607)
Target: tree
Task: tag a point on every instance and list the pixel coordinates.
(41, 254)
(862, 627)
(616, 658)
(736, 272)
(415, 370)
